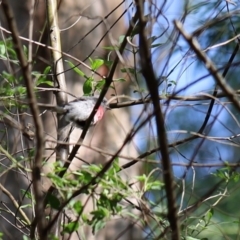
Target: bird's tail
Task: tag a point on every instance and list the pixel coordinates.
(57, 109)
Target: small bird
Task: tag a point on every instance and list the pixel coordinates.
(79, 110)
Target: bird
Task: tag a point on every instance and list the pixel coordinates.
(79, 110)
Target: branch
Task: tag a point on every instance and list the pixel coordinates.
(62, 151)
(37, 164)
(27, 130)
(230, 93)
(152, 83)
(15, 203)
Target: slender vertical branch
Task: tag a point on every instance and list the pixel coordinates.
(61, 96)
(37, 164)
(152, 84)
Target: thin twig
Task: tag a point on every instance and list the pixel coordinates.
(230, 93)
(15, 203)
(36, 174)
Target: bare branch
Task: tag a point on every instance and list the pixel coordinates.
(150, 79)
(36, 174)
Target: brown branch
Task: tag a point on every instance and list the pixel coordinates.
(37, 164)
(15, 203)
(197, 97)
(62, 151)
(152, 84)
(27, 130)
(230, 93)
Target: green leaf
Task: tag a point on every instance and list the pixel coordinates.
(71, 227)
(42, 78)
(209, 215)
(119, 80)
(116, 165)
(88, 86)
(77, 70)
(90, 60)
(53, 201)
(95, 168)
(135, 31)
(98, 226)
(236, 178)
(173, 82)
(26, 206)
(108, 63)
(111, 48)
(142, 178)
(156, 45)
(120, 39)
(137, 27)
(84, 218)
(100, 84)
(78, 207)
(128, 70)
(56, 179)
(9, 77)
(47, 70)
(2, 49)
(20, 90)
(96, 63)
(25, 237)
(100, 213)
(44, 81)
(155, 185)
(25, 50)
(26, 194)
(191, 238)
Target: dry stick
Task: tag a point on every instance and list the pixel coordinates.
(37, 164)
(15, 203)
(152, 83)
(7, 209)
(198, 97)
(26, 131)
(62, 151)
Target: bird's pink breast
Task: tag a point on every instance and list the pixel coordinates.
(99, 114)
